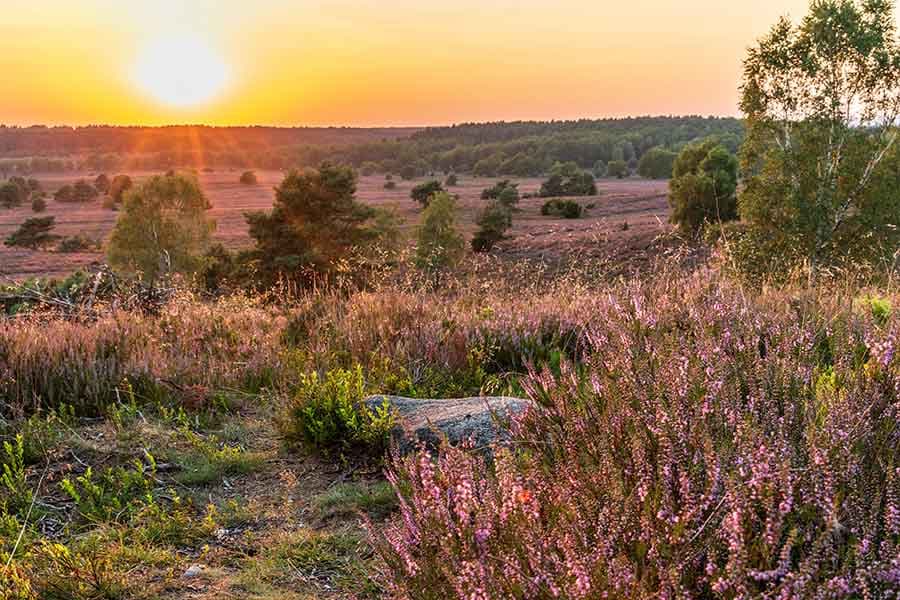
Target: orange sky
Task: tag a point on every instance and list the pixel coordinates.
(387, 62)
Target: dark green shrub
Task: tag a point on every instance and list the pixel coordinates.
(568, 209)
(101, 183)
(38, 203)
(497, 191)
(656, 163)
(11, 195)
(703, 186)
(316, 223)
(617, 168)
(114, 493)
(493, 222)
(119, 185)
(423, 192)
(80, 191)
(33, 233)
(77, 243)
(249, 178)
(328, 414)
(567, 179)
(452, 180)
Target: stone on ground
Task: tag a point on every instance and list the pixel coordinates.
(459, 419)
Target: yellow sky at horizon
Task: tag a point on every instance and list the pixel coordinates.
(393, 62)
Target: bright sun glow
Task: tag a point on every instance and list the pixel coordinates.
(181, 71)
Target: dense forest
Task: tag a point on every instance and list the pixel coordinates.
(524, 148)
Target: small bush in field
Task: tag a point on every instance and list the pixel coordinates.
(38, 203)
(617, 168)
(113, 493)
(34, 233)
(80, 191)
(703, 186)
(492, 222)
(506, 191)
(101, 183)
(452, 180)
(424, 192)
(567, 179)
(390, 184)
(249, 178)
(328, 414)
(568, 209)
(118, 186)
(77, 243)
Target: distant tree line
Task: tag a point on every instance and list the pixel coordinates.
(518, 149)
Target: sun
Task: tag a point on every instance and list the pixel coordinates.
(181, 71)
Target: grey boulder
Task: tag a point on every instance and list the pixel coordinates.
(459, 419)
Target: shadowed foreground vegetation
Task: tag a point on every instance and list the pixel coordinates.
(707, 439)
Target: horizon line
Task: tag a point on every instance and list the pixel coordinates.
(88, 125)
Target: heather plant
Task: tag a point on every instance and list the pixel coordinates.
(706, 445)
(51, 362)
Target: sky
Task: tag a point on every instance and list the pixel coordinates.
(372, 63)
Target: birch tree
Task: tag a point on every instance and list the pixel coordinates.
(820, 161)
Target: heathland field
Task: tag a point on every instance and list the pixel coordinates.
(644, 358)
(622, 221)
